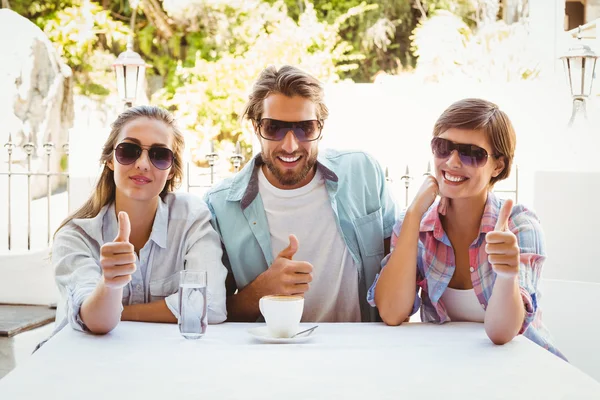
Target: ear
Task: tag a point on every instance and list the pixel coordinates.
(500, 165)
(110, 165)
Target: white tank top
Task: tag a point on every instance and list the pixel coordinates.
(463, 305)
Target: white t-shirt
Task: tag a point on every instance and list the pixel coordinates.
(306, 212)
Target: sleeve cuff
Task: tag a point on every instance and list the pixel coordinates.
(173, 304)
(217, 310)
(371, 297)
(75, 299)
(530, 306)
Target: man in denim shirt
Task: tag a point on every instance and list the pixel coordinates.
(296, 222)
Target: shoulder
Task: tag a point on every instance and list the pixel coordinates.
(220, 188)
(185, 206)
(72, 238)
(353, 164)
(349, 157)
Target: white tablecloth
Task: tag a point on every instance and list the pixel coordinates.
(359, 361)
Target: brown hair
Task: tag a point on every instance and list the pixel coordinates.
(289, 81)
(478, 114)
(104, 193)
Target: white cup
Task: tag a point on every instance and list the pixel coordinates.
(282, 314)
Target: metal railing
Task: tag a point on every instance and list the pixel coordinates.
(207, 179)
(235, 159)
(29, 149)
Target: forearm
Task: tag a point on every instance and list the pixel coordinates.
(505, 312)
(157, 311)
(101, 311)
(396, 287)
(243, 306)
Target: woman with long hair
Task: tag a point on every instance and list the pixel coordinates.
(118, 257)
(473, 256)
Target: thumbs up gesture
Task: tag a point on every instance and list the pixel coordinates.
(502, 246)
(287, 276)
(117, 258)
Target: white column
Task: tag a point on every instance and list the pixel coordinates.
(546, 32)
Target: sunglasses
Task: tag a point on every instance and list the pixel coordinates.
(469, 154)
(128, 153)
(274, 129)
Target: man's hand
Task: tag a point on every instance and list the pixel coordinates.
(286, 276)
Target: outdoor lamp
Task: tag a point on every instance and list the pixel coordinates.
(580, 64)
(130, 70)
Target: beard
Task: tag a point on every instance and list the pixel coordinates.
(290, 177)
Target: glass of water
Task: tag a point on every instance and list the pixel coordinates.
(193, 310)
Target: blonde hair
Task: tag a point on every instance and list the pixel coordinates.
(479, 114)
(104, 192)
(289, 81)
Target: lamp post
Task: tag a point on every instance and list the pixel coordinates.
(130, 68)
(580, 64)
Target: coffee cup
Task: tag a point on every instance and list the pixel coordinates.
(282, 314)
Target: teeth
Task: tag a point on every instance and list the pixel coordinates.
(289, 159)
(453, 178)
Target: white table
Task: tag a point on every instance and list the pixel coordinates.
(361, 361)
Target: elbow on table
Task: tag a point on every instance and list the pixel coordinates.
(392, 317)
(100, 329)
(498, 337)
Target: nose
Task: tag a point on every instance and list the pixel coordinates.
(143, 163)
(290, 144)
(454, 160)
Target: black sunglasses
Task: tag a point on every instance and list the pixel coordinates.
(469, 154)
(274, 129)
(127, 153)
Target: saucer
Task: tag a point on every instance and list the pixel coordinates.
(261, 333)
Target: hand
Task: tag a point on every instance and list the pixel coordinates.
(502, 246)
(425, 196)
(285, 276)
(117, 258)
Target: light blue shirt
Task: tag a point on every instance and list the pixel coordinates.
(181, 238)
(363, 207)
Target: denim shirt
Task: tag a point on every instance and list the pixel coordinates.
(363, 209)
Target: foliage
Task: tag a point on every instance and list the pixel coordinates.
(84, 34)
(383, 33)
(448, 49)
(209, 95)
(205, 53)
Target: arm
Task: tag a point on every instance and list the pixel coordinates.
(395, 289)
(91, 283)
(204, 253)
(505, 312)
(284, 277)
(517, 263)
(101, 311)
(157, 311)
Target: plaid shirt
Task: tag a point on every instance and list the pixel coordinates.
(435, 266)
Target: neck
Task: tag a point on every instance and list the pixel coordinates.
(463, 216)
(141, 216)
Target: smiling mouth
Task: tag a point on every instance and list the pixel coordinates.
(289, 160)
(453, 178)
